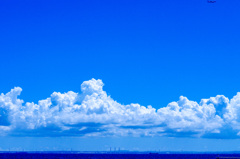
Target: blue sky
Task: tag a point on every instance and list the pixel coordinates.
(145, 52)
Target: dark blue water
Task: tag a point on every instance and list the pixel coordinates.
(115, 156)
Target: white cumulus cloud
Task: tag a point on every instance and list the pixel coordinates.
(94, 113)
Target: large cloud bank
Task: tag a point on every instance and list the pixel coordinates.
(94, 113)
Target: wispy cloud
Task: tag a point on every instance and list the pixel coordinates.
(94, 113)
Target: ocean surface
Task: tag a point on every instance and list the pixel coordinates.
(115, 156)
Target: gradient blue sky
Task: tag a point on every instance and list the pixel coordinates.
(147, 52)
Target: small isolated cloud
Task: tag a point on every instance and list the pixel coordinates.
(94, 113)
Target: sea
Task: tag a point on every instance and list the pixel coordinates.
(44, 155)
